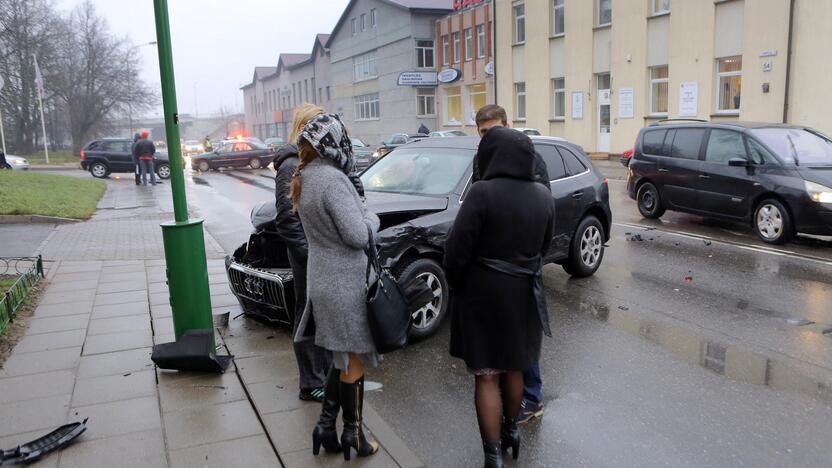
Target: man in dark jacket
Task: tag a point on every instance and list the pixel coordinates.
(423, 129)
(144, 151)
(136, 168)
(488, 117)
(313, 362)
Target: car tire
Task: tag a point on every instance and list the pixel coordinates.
(773, 222)
(163, 171)
(255, 163)
(99, 170)
(649, 201)
(426, 320)
(203, 166)
(587, 249)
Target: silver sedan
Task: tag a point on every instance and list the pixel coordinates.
(16, 163)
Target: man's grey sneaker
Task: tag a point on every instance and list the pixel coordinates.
(528, 411)
(312, 394)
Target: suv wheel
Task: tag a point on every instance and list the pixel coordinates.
(203, 166)
(163, 171)
(649, 201)
(255, 163)
(99, 170)
(772, 222)
(587, 248)
(426, 320)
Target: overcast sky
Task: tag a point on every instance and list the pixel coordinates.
(217, 43)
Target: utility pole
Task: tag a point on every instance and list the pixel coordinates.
(187, 268)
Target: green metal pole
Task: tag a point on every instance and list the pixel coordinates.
(187, 267)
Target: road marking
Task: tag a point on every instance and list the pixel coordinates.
(758, 249)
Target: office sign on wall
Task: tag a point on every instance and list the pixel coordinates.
(577, 105)
(625, 103)
(688, 99)
(425, 78)
(449, 75)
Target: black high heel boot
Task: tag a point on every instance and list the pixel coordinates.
(352, 401)
(510, 437)
(325, 432)
(493, 457)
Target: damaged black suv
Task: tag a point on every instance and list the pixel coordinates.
(417, 191)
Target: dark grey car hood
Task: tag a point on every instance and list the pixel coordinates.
(817, 174)
(384, 203)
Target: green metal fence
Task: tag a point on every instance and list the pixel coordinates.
(28, 271)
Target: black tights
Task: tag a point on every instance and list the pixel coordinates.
(497, 396)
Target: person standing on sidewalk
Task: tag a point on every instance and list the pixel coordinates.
(136, 167)
(313, 361)
(488, 117)
(493, 261)
(144, 150)
(338, 228)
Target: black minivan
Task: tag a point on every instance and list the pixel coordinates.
(775, 177)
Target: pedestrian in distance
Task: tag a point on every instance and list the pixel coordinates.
(423, 129)
(137, 170)
(488, 117)
(144, 150)
(207, 144)
(338, 229)
(318, 380)
(493, 261)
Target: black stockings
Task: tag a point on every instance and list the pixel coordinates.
(497, 396)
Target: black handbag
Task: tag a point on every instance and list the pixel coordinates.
(387, 306)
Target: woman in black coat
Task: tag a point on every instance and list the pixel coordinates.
(493, 260)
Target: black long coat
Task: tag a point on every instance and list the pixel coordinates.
(506, 216)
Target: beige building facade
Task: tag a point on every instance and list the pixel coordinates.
(596, 71)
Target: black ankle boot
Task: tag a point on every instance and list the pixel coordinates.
(325, 432)
(352, 400)
(493, 457)
(510, 437)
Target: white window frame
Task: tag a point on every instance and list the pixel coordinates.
(446, 50)
(558, 91)
(448, 96)
(354, 23)
(367, 107)
(558, 6)
(518, 20)
(598, 15)
(423, 96)
(719, 76)
(480, 40)
(469, 44)
(421, 51)
(517, 95)
(456, 45)
(653, 81)
(363, 22)
(472, 111)
(659, 7)
(372, 17)
(365, 67)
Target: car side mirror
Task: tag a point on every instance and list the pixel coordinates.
(738, 162)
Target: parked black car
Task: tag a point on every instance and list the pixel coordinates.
(396, 140)
(234, 153)
(417, 191)
(364, 154)
(106, 156)
(775, 177)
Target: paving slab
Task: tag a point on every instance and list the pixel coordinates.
(120, 417)
(159, 298)
(120, 297)
(278, 367)
(32, 415)
(159, 287)
(140, 450)
(79, 267)
(99, 344)
(120, 310)
(127, 386)
(163, 326)
(50, 341)
(31, 387)
(176, 394)
(57, 324)
(211, 424)
(64, 286)
(305, 458)
(251, 452)
(224, 300)
(130, 323)
(67, 296)
(122, 286)
(116, 269)
(161, 311)
(61, 309)
(91, 276)
(41, 361)
(136, 277)
(301, 421)
(273, 397)
(115, 363)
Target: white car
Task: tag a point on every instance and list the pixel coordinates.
(529, 131)
(16, 163)
(447, 133)
(191, 147)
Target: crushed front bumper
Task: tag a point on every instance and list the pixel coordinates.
(266, 293)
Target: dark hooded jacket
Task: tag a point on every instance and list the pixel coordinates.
(540, 172)
(287, 221)
(506, 216)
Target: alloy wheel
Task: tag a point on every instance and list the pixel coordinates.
(770, 221)
(99, 170)
(424, 317)
(591, 246)
(164, 171)
(648, 201)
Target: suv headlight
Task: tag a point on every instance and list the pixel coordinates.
(818, 193)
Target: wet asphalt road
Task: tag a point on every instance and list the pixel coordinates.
(689, 347)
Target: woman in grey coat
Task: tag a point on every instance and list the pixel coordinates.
(338, 229)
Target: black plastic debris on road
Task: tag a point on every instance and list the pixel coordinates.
(36, 449)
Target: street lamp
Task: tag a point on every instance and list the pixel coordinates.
(130, 83)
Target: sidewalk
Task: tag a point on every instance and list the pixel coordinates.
(87, 351)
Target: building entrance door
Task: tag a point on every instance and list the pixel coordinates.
(603, 142)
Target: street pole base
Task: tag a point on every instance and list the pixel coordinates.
(194, 352)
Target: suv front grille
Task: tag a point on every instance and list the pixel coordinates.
(262, 286)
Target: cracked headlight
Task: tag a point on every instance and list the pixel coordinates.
(818, 193)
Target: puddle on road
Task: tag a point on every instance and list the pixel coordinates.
(728, 361)
(200, 181)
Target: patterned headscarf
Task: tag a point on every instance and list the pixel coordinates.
(327, 134)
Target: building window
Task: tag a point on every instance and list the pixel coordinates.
(366, 107)
(328, 96)
(558, 18)
(454, 106)
(314, 96)
(320, 95)
(363, 22)
(658, 90)
(372, 17)
(604, 12)
(354, 26)
(445, 49)
(558, 98)
(520, 101)
(477, 96)
(729, 84)
(424, 54)
(469, 44)
(425, 102)
(456, 46)
(519, 23)
(365, 66)
(660, 6)
(481, 41)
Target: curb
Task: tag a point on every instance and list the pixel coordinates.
(392, 443)
(54, 168)
(37, 219)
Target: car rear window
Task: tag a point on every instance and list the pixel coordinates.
(573, 165)
(652, 142)
(553, 160)
(687, 143)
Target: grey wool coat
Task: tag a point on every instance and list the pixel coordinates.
(335, 221)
